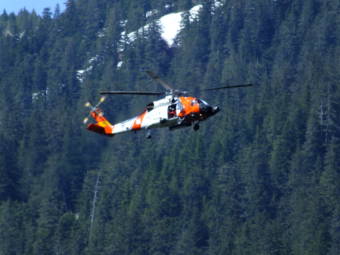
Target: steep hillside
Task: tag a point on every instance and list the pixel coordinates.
(260, 177)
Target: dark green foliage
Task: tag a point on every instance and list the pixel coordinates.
(260, 177)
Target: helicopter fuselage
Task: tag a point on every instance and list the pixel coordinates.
(171, 111)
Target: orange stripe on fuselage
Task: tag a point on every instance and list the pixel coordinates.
(190, 105)
(137, 124)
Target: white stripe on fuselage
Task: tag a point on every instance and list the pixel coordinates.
(152, 119)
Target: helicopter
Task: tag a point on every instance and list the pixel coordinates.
(175, 110)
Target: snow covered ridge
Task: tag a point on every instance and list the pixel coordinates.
(170, 25)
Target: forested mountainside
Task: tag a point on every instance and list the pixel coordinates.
(260, 177)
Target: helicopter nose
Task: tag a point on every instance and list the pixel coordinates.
(216, 109)
(205, 108)
(208, 109)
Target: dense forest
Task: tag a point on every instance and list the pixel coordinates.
(260, 177)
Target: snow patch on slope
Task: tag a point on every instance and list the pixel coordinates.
(82, 73)
(170, 25)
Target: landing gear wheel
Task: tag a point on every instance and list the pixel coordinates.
(196, 127)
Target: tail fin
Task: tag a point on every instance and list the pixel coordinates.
(103, 126)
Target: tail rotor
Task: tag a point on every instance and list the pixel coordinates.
(93, 108)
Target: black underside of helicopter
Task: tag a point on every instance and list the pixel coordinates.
(195, 118)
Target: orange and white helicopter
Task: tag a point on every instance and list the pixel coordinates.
(175, 110)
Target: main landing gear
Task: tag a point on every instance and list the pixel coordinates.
(196, 127)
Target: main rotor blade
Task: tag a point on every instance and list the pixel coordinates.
(229, 87)
(141, 93)
(159, 80)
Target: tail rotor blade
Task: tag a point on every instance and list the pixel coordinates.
(88, 104)
(86, 120)
(101, 100)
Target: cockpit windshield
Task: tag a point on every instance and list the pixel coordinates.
(200, 101)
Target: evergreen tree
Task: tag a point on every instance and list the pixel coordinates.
(260, 177)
